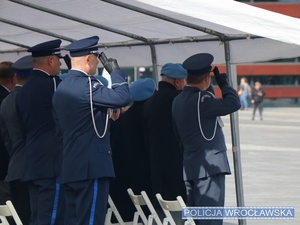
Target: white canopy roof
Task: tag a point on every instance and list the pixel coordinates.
(151, 32)
(154, 32)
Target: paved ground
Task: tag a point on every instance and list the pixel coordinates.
(270, 158)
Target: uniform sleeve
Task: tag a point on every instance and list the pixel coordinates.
(115, 97)
(229, 103)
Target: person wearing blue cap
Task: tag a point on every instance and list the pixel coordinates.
(7, 83)
(83, 106)
(14, 141)
(163, 147)
(128, 145)
(197, 123)
(42, 147)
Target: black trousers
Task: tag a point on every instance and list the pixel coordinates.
(260, 109)
(4, 192)
(20, 199)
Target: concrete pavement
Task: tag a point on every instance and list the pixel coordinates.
(270, 158)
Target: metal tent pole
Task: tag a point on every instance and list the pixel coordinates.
(234, 121)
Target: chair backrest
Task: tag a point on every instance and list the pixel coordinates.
(172, 206)
(8, 210)
(112, 210)
(143, 200)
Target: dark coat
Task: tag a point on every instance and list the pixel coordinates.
(42, 147)
(164, 150)
(4, 157)
(14, 142)
(258, 95)
(85, 155)
(202, 157)
(130, 158)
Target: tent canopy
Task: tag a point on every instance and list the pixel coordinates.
(151, 32)
(154, 32)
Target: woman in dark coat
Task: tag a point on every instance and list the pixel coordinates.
(131, 161)
(258, 95)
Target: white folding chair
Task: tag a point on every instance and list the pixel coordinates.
(172, 206)
(143, 200)
(112, 210)
(8, 210)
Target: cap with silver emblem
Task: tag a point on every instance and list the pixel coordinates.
(46, 49)
(83, 47)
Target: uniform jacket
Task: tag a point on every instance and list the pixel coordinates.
(3, 152)
(14, 138)
(42, 147)
(203, 158)
(163, 146)
(85, 155)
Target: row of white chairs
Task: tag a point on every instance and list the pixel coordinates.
(139, 217)
(8, 210)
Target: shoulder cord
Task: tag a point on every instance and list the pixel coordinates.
(199, 121)
(92, 113)
(54, 81)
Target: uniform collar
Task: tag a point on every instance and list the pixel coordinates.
(41, 71)
(5, 87)
(190, 88)
(80, 71)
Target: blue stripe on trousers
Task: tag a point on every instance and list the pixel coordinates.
(92, 216)
(55, 205)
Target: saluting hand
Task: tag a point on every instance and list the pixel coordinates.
(221, 78)
(109, 64)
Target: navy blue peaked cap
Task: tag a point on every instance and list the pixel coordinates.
(198, 64)
(23, 66)
(83, 47)
(46, 49)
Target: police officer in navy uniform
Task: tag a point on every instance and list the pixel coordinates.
(14, 141)
(196, 114)
(42, 146)
(83, 107)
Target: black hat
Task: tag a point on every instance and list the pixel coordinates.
(46, 49)
(198, 64)
(23, 66)
(83, 47)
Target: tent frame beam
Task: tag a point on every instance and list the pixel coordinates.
(166, 18)
(143, 39)
(12, 43)
(36, 29)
